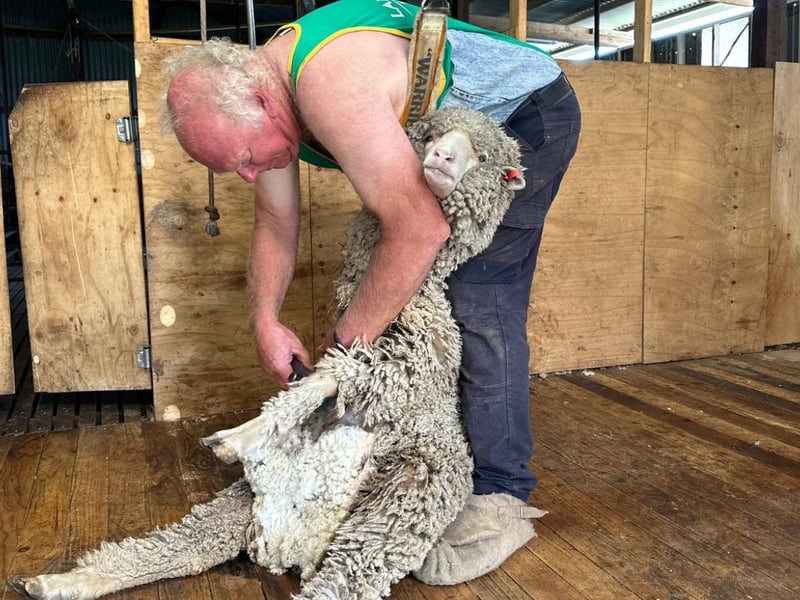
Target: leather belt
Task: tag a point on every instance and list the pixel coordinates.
(425, 53)
(555, 92)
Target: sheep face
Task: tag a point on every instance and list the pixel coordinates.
(474, 168)
(446, 158)
(451, 142)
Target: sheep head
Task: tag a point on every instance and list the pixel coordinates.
(473, 167)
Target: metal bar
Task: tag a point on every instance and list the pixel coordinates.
(251, 24)
(203, 22)
(596, 29)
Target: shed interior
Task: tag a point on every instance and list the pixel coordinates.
(664, 322)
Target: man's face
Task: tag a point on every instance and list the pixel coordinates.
(226, 146)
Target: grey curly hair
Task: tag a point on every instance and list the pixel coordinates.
(230, 72)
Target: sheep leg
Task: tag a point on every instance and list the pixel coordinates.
(209, 535)
(288, 409)
(390, 533)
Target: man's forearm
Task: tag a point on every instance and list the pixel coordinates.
(396, 272)
(270, 274)
(273, 243)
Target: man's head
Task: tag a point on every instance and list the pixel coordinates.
(224, 73)
(227, 112)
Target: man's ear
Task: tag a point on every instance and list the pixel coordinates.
(266, 102)
(513, 178)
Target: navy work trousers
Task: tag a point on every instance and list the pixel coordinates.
(490, 294)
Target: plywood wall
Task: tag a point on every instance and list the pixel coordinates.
(80, 231)
(6, 346)
(783, 289)
(707, 211)
(656, 247)
(587, 293)
(663, 209)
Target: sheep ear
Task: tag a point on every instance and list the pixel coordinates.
(513, 178)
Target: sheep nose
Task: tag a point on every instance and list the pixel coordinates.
(444, 154)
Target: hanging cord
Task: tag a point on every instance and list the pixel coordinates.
(212, 228)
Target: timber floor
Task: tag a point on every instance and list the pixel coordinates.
(672, 481)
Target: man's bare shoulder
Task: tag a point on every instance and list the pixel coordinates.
(354, 71)
(351, 103)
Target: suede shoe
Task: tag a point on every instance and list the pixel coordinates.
(489, 530)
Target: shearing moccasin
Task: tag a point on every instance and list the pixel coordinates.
(489, 530)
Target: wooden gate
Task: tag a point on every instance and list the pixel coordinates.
(80, 230)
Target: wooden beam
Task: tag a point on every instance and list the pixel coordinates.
(141, 20)
(182, 42)
(571, 34)
(736, 2)
(783, 286)
(518, 15)
(459, 9)
(642, 31)
(768, 37)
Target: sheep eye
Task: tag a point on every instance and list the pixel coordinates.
(428, 138)
(482, 157)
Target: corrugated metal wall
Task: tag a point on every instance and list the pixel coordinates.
(43, 41)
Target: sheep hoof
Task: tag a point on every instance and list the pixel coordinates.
(221, 448)
(27, 587)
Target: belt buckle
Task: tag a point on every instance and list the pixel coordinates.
(443, 6)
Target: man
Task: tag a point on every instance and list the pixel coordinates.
(332, 87)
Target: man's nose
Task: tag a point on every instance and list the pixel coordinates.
(248, 174)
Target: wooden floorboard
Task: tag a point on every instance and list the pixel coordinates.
(45, 535)
(670, 481)
(128, 515)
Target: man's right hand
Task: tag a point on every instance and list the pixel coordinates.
(276, 345)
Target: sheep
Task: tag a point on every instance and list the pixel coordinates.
(352, 474)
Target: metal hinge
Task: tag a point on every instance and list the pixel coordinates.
(126, 130)
(143, 357)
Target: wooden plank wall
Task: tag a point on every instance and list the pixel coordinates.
(665, 258)
(81, 237)
(6, 345)
(707, 211)
(783, 289)
(600, 283)
(587, 293)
